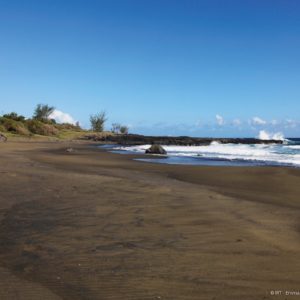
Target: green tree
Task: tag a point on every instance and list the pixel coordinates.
(124, 129)
(97, 121)
(42, 112)
(14, 116)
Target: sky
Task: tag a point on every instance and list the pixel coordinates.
(173, 67)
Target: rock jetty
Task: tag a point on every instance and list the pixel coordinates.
(135, 139)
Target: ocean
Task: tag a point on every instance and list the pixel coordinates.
(286, 154)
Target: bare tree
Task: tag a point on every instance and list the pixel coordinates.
(115, 127)
(98, 121)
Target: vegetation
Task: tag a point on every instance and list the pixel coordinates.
(13, 124)
(42, 112)
(38, 127)
(118, 128)
(14, 116)
(98, 121)
(124, 129)
(115, 127)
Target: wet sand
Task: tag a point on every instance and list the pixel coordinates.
(95, 225)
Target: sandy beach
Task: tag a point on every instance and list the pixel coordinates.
(95, 225)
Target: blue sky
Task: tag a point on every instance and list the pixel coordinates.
(202, 68)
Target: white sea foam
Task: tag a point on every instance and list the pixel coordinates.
(279, 154)
(265, 135)
(294, 147)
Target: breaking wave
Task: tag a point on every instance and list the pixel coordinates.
(265, 135)
(278, 154)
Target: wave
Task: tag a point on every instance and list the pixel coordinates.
(265, 135)
(273, 154)
(294, 147)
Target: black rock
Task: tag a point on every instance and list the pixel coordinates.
(70, 150)
(135, 139)
(3, 138)
(156, 149)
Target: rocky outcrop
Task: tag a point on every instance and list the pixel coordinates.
(3, 138)
(135, 139)
(156, 149)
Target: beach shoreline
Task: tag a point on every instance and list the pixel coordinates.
(90, 224)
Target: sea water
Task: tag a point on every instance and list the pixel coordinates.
(286, 154)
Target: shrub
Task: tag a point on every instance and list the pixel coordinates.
(14, 116)
(68, 126)
(124, 129)
(38, 127)
(22, 130)
(118, 128)
(50, 130)
(14, 126)
(2, 128)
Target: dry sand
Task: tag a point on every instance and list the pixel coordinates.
(95, 225)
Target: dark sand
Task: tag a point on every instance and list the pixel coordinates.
(96, 225)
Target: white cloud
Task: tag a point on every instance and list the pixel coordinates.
(220, 120)
(61, 117)
(291, 123)
(258, 121)
(236, 122)
(275, 122)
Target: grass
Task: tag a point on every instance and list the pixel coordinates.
(61, 135)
